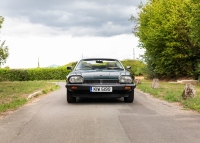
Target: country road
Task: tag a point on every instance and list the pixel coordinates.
(50, 119)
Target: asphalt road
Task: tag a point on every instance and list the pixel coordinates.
(50, 119)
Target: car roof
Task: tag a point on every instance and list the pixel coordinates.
(99, 59)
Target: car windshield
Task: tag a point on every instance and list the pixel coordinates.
(99, 64)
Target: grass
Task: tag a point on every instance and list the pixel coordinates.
(172, 92)
(14, 94)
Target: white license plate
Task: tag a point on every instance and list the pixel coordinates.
(100, 89)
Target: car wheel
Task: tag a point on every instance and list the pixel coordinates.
(70, 98)
(130, 98)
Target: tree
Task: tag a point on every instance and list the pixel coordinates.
(195, 31)
(1, 20)
(163, 28)
(3, 49)
(195, 22)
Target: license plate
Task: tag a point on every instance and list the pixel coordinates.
(100, 89)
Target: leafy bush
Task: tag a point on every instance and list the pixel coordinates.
(58, 73)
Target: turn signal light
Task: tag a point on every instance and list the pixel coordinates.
(127, 88)
(74, 87)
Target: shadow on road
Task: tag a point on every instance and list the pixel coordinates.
(99, 100)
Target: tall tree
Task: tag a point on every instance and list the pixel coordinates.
(163, 27)
(3, 49)
(195, 22)
(1, 20)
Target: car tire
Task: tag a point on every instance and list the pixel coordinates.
(130, 98)
(70, 98)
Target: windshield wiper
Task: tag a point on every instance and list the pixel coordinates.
(115, 68)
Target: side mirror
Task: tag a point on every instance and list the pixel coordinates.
(128, 67)
(69, 68)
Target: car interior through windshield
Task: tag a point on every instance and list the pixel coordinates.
(99, 65)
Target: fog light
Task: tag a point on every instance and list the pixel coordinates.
(127, 88)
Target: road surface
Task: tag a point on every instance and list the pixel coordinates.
(50, 119)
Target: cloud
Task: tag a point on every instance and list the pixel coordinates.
(60, 50)
(62, 31)
(77, 17)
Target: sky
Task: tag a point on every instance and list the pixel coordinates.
(62, 31)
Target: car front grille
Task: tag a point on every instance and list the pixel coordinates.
(101, 81)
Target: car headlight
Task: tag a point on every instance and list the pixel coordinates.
(76, 79)
(125, 79)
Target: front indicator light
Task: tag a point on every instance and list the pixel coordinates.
(127, 88)
(74, 87)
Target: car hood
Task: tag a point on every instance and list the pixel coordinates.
(100, 74)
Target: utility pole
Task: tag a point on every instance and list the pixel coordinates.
(38, 63)
(133, 53)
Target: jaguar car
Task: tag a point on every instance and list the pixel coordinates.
(100, 78)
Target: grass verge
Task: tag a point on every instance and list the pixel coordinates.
(172, 92)
(14, 94)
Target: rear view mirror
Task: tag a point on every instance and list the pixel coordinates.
(128, 67)
(69, 68)
(99, 61)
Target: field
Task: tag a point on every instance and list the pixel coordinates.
(15, 94)
(172, 92)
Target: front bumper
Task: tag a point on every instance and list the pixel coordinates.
(83, 90)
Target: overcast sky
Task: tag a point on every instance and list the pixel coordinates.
(62, 31)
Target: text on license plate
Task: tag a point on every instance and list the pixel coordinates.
(100, 89)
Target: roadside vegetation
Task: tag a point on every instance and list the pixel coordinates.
(32, 74)
(169, 32)
(15, 94)
(138, 67)
(4, 51)
(172, 92)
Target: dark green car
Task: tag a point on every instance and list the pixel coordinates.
(100, 78)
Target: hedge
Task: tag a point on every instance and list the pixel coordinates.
(58, 73)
